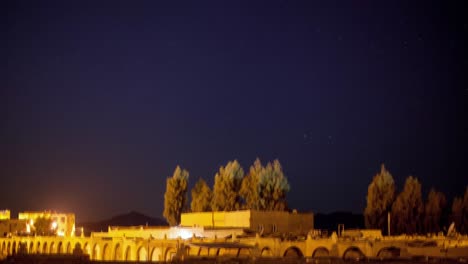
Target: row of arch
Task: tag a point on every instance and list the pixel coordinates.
(110, 251)
(107, 252)
(349, 253)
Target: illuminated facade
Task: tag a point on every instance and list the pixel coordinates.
(62, 223)
(264, 222)
(4, 214)
(10, 227)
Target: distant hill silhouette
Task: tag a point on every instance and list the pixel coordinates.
(331, 221)
(130, 219)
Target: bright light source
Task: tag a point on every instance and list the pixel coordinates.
(60, 233)
(28, 228)
(184, 234)
(54, 225)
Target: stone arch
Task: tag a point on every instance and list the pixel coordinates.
(105, 252)
(60, 248)
(52, 248)
(8, 248)
(170, 254)
(13, 248)
(3, 246)
(142, 255)
(31, 247)
(96, 252)
(156, 254)
(87, 249)
(77, 249)
(128, 253)
(44, 248)
(69, 249)
(293, 252)
(38, 247)
(321, 252)
(117, 252)
(353, 253)
(389, 252)
(266, 252)
(212, 252)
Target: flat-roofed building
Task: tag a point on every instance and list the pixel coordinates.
(265, 222)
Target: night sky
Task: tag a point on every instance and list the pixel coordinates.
(100, 101)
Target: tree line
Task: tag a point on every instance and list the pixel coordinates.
(263, 187)
(409, 213)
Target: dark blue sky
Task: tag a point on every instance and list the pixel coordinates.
(101, 100)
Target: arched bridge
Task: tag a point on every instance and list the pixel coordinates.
(123, 248)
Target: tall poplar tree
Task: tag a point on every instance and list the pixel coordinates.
(201, 197)
(380, 196)
(460, 213)
(435, 205)
(226, 188)
(273, 187)
(175, 198)
(249, 188)
(408, 208)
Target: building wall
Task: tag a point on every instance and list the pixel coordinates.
(261, 221)
(238, 219)
(65, 221)
(4, 214)
(12, 227)
(197, 219)
(283, 222)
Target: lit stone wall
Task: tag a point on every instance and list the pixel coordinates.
(261, 221)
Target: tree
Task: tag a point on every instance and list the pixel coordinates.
(43, 226)
(380, 196)
(175, 198)
(249, 188)
(273, 187)
(408, 208)
(201, 197)
(226, 187)
(460, 213)
(435, 205)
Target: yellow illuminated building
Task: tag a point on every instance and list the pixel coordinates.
(62, 223)
(265, 222)
(4, 214)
